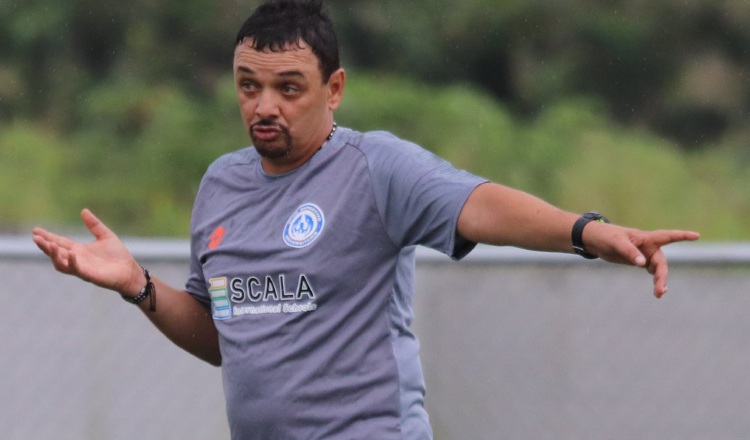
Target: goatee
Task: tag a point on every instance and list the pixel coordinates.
(272, 149)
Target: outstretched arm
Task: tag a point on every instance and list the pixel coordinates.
(495, 214)
(107, 263)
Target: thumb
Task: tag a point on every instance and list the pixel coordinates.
(98, 229)
(626, 251)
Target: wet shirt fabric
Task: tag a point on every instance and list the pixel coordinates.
(309, 277)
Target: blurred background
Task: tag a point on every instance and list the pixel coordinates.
(635, 108)
(638, 109)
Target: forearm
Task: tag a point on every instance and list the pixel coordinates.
(184, 321)
(498, 215)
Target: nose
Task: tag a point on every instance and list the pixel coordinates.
(267, 105)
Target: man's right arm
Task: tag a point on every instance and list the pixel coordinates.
(107, 263)
(184, 321)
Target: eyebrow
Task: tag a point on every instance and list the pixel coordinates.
(284, 74)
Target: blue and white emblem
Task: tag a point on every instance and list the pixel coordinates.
(304, 226)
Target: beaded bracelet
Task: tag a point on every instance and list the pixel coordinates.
(148, 291)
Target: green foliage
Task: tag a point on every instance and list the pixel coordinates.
(144, 150)
(676, 68)
(570, 155)
(29, 175)
(121, 106)
(138, 162)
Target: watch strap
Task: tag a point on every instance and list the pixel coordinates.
(577, 233)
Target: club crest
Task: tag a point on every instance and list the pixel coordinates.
(304, 226)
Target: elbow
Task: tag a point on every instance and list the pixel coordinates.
(210, 355)
(213, 360)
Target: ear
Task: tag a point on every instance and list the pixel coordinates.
(336, 84)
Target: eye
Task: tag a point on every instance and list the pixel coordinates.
(248, 86)
(290, 89)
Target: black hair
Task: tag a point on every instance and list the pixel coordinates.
(278, 23)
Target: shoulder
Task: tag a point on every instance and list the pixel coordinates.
(377, 141)
(241, 157)
(227, 167)
(385, 148)
(391, 159)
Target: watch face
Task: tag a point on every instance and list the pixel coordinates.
(596, 217)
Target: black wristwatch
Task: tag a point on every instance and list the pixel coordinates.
(577, 234)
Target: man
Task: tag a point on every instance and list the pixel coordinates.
(302, 248)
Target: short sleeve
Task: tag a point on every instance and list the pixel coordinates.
(196, 283)
(419, 195)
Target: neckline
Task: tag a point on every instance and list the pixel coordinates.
(279, 178)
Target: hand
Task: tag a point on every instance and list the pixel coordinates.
(635, 247)
(105, 262)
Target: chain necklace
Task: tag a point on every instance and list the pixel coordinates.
(333, 130)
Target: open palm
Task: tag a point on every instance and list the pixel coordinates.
(105, 262)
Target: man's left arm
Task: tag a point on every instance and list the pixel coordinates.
(498, 215)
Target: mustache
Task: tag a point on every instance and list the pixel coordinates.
(269, 123)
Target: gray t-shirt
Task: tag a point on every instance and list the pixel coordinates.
(309, 276)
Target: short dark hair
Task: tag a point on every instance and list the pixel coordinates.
(277, 23)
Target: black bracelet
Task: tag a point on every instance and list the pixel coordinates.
(577, 233)
(148, 291)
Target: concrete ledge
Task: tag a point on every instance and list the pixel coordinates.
(170, 249)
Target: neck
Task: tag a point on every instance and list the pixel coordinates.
(289, 162)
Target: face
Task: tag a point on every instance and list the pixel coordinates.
(286, 107)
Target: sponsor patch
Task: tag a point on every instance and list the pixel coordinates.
(220, 306)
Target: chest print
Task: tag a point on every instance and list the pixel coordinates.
(304, 226)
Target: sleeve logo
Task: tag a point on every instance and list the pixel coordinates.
(304, 226)
(216, 237)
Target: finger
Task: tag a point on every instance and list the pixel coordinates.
(41, 242)
(660, 281)
(58, 249)
(46, 236)
(98, 229)
(59, 258)
(628, 253)
(73, 264)
(48, 247)
(659, 268)
(665, 237)
(38, 232)
(40, 236)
